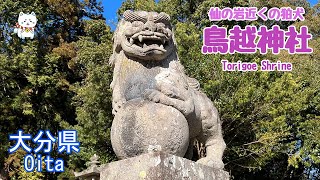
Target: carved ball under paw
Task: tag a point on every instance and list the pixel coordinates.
(142, 124)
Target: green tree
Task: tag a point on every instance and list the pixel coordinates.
(37, 75)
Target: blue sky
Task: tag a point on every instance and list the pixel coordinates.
(111, 7)
(313, 2)
(110, 11)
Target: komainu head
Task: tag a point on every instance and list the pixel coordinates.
(144, 35)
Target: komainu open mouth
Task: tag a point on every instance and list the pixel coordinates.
(149, 40)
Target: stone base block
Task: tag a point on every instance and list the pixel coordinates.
(159, 166)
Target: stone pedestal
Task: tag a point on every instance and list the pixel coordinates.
(159, 166)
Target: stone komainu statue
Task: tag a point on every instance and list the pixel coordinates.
(156, 105)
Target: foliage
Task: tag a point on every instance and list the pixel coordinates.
(38, 76)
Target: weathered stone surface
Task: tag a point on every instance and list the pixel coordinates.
(144, 125)
(153, 99)
(159, 166)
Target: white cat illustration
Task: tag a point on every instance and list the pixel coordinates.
(25, 26)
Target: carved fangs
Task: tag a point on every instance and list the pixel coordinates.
(149, 41)
(140, 38)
